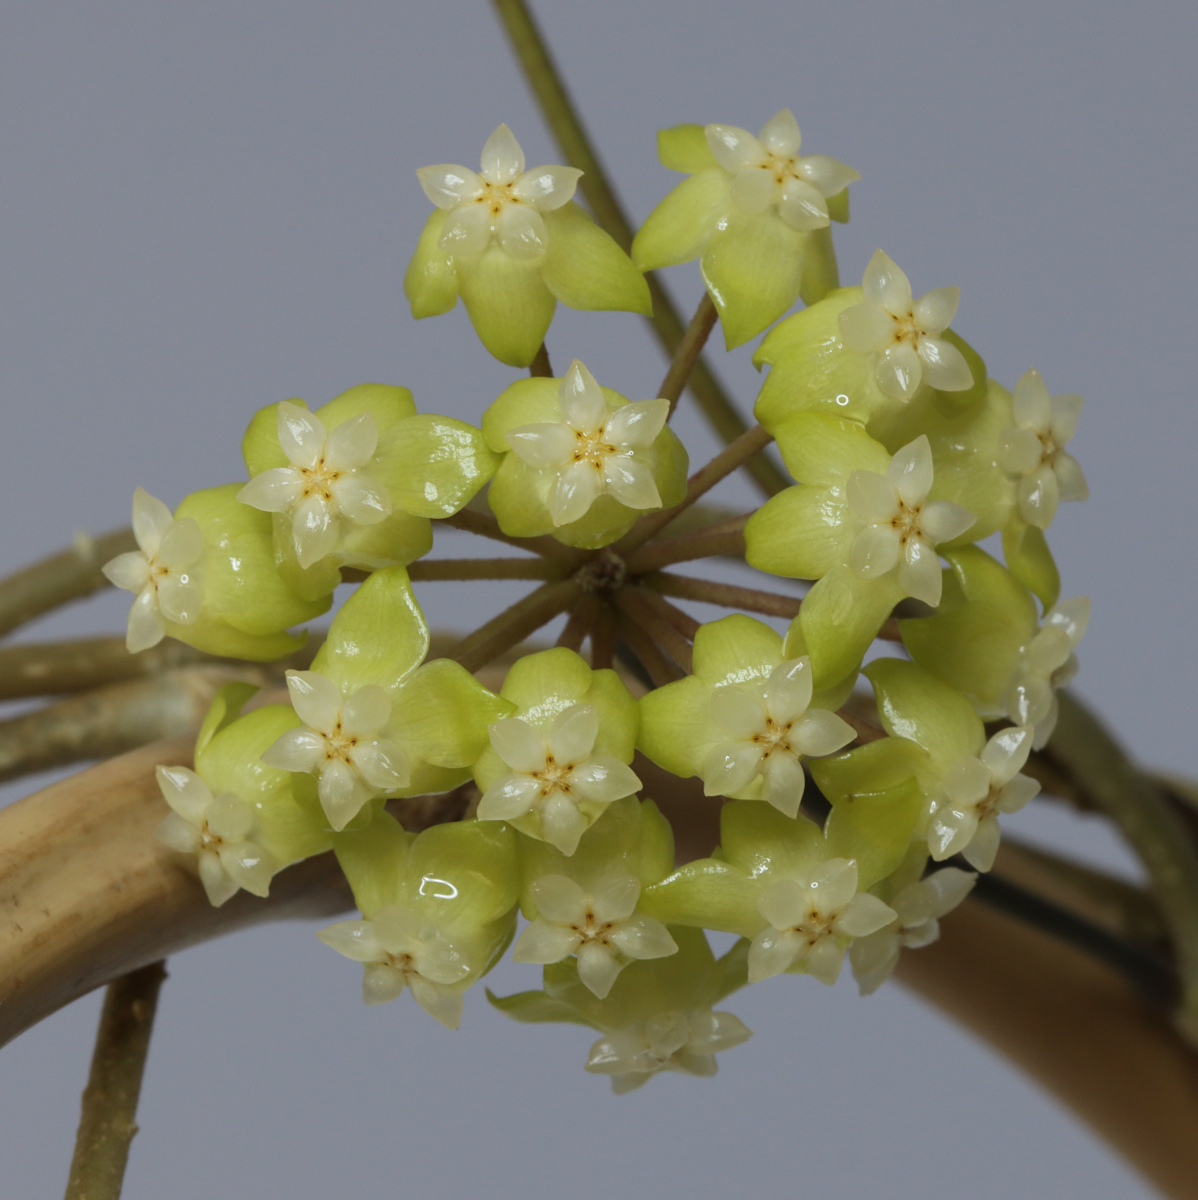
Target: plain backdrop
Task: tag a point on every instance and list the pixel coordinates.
(208, 207)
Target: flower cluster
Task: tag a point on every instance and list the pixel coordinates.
(857, 795)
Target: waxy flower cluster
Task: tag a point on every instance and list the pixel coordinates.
(858, 793)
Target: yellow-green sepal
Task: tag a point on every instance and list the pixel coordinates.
(839, 619)
(706, 894)
(430, 282)
(1030, 560)
(820, 273)
(374, 860)
(509, 304)
(678, 229)
(915, 705)
(585, 269)
(684, 148)
(875, 829)
(673, 728)
(526, 402)
(875, 767)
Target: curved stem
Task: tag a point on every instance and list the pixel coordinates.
(566, 126)
(659, 668)
(687, 352)
(634, 603)
(484, 525)
(514, 624)
(724, 538)
(110, 1100)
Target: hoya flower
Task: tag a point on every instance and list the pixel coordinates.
(918, 908)
(163, 573)
(593, 451)
(604, 931)
(552, 772)
(580, 461)
(356, 482)
(768, 172)
(745, 719)
(1034, 450)
(513, 243)
(902, 528)
(755, 213)
(327, 482)
(400, 948)
(812, 919)
(218, 830)
(343, 742)
(1047, 662)
(903, 334)
(768, 727)
(976, 790)
(672, 1041)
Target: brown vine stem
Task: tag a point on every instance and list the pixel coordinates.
(514, 624)
(582, 617)
(682, 365)
(699, 484)
(634, 603)
(566, 126)
(603, 638)
(659, 668)
(439, 569)
(1106, 777)
(723, 538)
(57, 580)
(114, 1085)
(540, 367)
(484, 525)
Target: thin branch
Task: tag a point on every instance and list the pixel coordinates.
(865, 730)
(514, 624)
(116, 718)
(540, 367)
(110, 1100)
(603, 638)
(659, 668)
(682, 621)
(566, 126)
(582, 617)
(59, 579)
(724, 538)
(635, 606)
(687, 352)
(438, 569)
(484, 525)
(701, 482)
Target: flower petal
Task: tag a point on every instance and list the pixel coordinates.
(1017, 794)
(785, 903)
(315, 530)
(521, 231)
(944, 366)
(754, 189)
(182, 545)
(180, 599)
(872, 498)
(910, 471)
(603, 779)
(229, 817)
(934, 310)
(151, 520)
(1039, 494)
(772, 952)
(818, 732)
(544, 445)
(1031, 404)
(354, 939)
(561, 900)
(502, 159)
(738, 711)
(562, 824)
(130, 571)
(547, 187)
(899, 372)
(1066, 411)
(788, 690)
(186, 793)
(864, 914)
(1071, 482)
(886, 285)
(572, 735)
(734, 148)
(780, 134)
(508, 798)
(315, 698)
(296, 750)
(783, 782)
(729, 768)
(983, 846)
(875, 550)
(542, 942)
(519, 744)
(365, 712)
(644, 937)
(824, 960)
(249, 866)
(276, 490)
(145, 627)
(301, 434)
(597, 968)
(178, 834)
(576, 489)
(1020, 450)
(581, 399)
(802, 206)
(447, 185)
(827, 175)
(352, 443)
(919, 572)
(866, 327)
(383, 765)
(218, 884)
(342, 792)
(440, 1002)
(467, 230)
(381, 983)
(617, 901)
(636, 424)
(630, 481)
(943, 520)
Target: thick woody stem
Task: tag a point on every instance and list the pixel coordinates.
(110, 1099)
(659, 668)
(566, 126)
(436, 569)
(59, 579)
(724, 538)
(701, 482)
(514, 624)
(540, 367)
(484, 525)
(687, 353)
(633, 603)
(1091, 758)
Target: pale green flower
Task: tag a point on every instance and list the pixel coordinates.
(512, 243)
(580, 461)
(755, 213)
(207, 576)
(356, 482)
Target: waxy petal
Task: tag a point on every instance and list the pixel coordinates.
(1031, 404)
(872, 498)
(1020, 451)
(315, 530)
(772, 952)
(467, 230)
(342, 792)
(218, 883)
(354, 939)
(730, 767)
(151, 519)
(381, 983)
(249, 866)
(509, 798)
(818, 732)
(521, 231)
(301, 434)
(186, 793)
(802, 206)
(875, 550)
(276, 490)
(502, 159)
(182, 545)
(604, 779)
(617, 901)
(866, 327)
(315, 698)
(788, 690)
(519, 744)
(1039, 493)
(934, 310)
(545, 445)
(296, 750)
(886, 285)
(542, 942)
(180, 599)
(827, 175)
(442, 1003)
(631, 482)
(561, 900)
(780, 134)
(383, 765)
(178, 834)
(548, 187)
(738, 711)
(919, 572)
(581, 399)
(576, 489)
(899, 371)
(597, 968)
(365, 712)
(352, 444)
(910, 471)
(735, 148)
(572, 735)
(643, 938)
(637, 424)
(783, 782)
(145, 628)
(943, 520)
(1071, 482)
(129, 571)
(983, 846)
(864, 914)
(944, 366)
(754, 189)
(447, 185)
(1066, 411)
(562, 824)
(229, 817)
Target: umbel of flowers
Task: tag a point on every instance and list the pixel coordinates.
(859, 793)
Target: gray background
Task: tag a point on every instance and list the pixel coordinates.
(208, 207)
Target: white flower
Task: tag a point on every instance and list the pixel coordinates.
(340, 745)
(399, 949)
(901, 528)
(766, 727)
(603, 930)
(216, 830)
(593, 450)
(1034, 450)
(918, 908)
(502, 201)
(325, 483)
(768, 172)
(903, 333)
(673, 1041)
(164, 573)
(976, 790)
(1047, 663)
(812, 919)
(552, 773)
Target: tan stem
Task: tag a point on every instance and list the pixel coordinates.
(540, 367)
(633, 634)
(514, 624)
(603, 638)
(567, 129)
(682, 621)
(699, 484)
(726, 538)
(634, 603)
(108, 1122)
(116, 718)
(582, 617)
(59, 579)
(438, 569)
(687, 352)
(484, 525)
